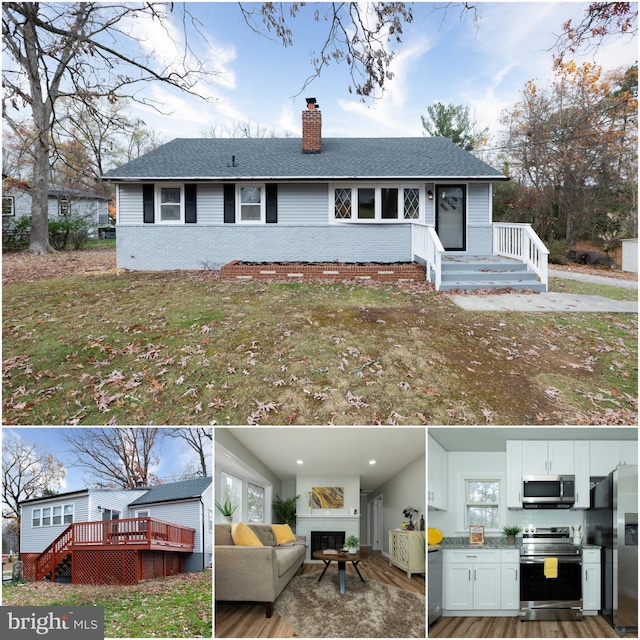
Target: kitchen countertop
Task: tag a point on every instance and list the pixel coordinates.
(490, 542)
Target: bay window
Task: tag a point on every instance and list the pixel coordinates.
(367, 203)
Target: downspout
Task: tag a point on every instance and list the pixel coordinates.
(202, 509)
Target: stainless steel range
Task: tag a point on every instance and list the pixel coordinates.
(550, 575)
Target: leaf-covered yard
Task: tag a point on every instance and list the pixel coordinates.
(174, 607)
(188, 348)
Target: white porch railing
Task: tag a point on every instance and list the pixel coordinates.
(426, 246)
(520, 241)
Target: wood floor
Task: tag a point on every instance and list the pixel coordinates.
(249, 621)
(467, 627)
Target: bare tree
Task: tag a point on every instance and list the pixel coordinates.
(200, 440)
(116, 457)
(83, 51)
(600, 22)
(28, 471)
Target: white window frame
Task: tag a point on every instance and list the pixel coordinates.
(158, 202)
(231, 465)
(461, 492)
(378, 186)
(11, 201)
(263, 202)
(62, 506)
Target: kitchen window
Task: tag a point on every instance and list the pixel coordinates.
(170, 204)
(389, 203)
(482, 503)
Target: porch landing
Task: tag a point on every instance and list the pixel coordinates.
(469, 272)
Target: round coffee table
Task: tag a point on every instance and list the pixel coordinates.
(341, 559)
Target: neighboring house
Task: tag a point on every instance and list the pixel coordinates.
(118, 536)
(94, 208)
(202, 203)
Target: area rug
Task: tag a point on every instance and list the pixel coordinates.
(367, 610)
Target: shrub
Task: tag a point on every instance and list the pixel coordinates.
(557, 251)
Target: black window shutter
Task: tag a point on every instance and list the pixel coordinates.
(147, 203)
(229, 203)
(190, 209)
(272, 203)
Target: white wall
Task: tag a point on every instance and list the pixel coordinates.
(351, 485)
(406, 489)
(491, 464)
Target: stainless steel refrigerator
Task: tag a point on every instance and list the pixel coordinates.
(612, 523)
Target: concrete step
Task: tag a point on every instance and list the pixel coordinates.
(469, 285)
(479, 276)
(487, 267)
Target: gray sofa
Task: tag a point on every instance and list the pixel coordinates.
(254, 574)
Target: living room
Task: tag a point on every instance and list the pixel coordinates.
(297, 497)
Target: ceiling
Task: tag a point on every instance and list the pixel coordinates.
(494, 438)
(335, 451)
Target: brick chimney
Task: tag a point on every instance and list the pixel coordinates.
(311, 128)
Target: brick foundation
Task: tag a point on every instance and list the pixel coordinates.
(396, 272)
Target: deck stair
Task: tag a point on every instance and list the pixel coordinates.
(487, 272)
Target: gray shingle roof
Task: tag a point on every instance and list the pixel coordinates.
(277, 158)
(173, 491)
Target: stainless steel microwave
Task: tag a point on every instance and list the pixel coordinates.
(548, 492)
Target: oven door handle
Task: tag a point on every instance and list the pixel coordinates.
(561, 560)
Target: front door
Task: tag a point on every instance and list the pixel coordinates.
(451, 216)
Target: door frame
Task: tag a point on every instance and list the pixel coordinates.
(464, 187)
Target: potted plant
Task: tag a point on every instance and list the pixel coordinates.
(226, 509)
(511, 531)
(352, 544)
(285, 510)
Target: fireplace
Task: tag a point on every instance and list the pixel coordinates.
(326, 540)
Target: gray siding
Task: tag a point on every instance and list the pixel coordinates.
(37, 539)
(478, 205)
(303, 204)
(157, 247)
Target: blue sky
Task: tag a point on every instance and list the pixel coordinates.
(173, 453)
(444, 57)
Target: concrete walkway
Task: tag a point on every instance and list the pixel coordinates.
(555, 272)
(532, 302)
(551, 301)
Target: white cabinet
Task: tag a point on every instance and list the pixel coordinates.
(606, 455)
(437, 476)
(583, 496)
(547, 457)
(591, 577)
(472, 580)
(514, 474)
(406, 550)
(510, 580)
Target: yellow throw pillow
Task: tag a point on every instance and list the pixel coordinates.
(243, 536)
(283, 533)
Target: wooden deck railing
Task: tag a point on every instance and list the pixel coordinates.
(112, 533)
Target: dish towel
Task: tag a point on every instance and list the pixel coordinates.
(551, 567)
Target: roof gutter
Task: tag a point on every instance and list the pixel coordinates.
(133, 179)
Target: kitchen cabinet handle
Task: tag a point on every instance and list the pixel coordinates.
(475, 575)
(516, 575)
(469, 575)
(471, 556)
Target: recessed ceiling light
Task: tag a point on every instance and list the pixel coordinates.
(300, 461)
(372, 461)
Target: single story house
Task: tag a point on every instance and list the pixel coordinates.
(92, 207)
(202, 203)
(118, 536)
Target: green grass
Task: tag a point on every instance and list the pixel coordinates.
(175, 607)
(185, 348)
(564, 285)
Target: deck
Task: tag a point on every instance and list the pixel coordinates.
(134, 533)
(110, 536)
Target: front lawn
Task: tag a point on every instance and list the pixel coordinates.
(187, 348)
(174, 607)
